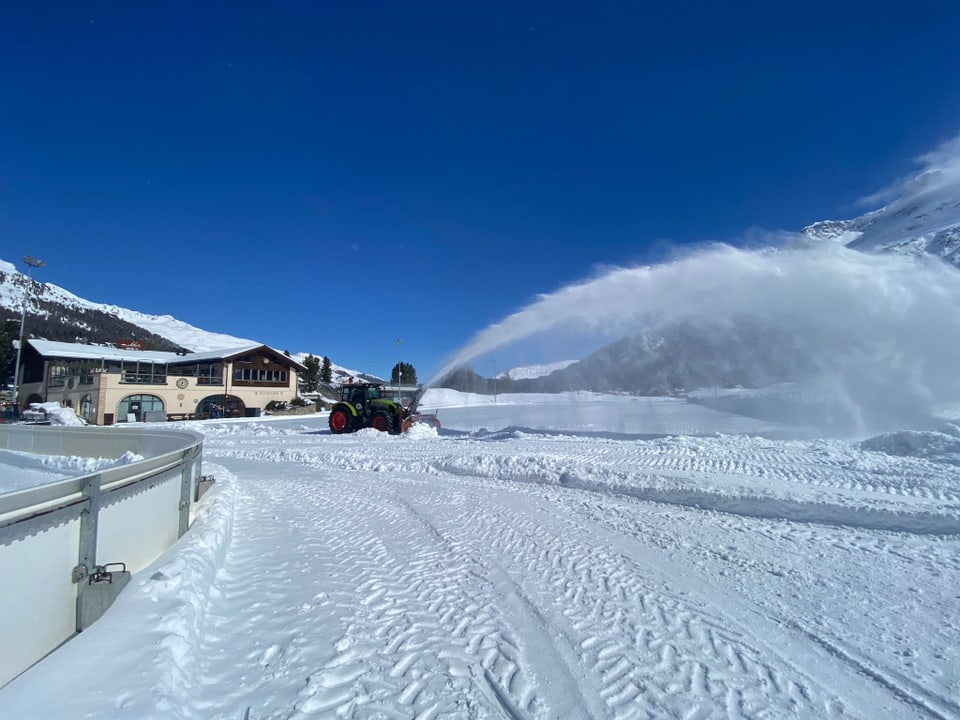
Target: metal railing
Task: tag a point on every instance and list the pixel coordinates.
(68, 547)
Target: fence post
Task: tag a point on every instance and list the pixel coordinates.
(87, 556)
(186, 481)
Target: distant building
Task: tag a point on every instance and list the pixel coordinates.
(107, 385)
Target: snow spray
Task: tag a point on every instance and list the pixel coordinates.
(882, 330)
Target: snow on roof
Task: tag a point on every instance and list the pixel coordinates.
(220, 354)
(51, 348)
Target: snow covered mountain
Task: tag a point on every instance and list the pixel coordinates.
(51, 302)
(64, 316)
(529, 372)
(923, 216)
(747, 351)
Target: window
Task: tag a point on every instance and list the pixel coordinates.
(136, 405)
(139, 373)
(259, 376)
(58, 375)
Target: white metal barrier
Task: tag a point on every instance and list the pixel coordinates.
(67, 548)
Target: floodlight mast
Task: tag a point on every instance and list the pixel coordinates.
(30, 262)
(399, 369)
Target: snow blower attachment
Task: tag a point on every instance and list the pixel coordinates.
(363, 404)
(413, 417)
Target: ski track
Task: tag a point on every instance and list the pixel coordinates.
(429, 594)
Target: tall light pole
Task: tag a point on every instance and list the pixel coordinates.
(31, 262)
(399, 370)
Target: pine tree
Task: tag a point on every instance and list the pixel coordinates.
(326, 371)
(311, 376)
(409, 374)
(9, 333)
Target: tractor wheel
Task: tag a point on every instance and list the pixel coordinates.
(340, 421)
(380, 421)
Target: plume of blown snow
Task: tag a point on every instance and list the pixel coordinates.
(884, 328)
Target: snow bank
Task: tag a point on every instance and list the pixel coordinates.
(929, 445)
(59, 415)
(22, 470)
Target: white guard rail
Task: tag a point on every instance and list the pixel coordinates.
(57, 540)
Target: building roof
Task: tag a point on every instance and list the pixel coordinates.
(78, 351)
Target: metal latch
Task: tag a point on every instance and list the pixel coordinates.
(103, 573)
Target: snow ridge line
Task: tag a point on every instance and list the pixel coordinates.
(770, 508)
(640, 486)
(756, 506)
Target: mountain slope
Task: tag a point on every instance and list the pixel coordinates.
(748, 350)
(57, 314)
(922, 218)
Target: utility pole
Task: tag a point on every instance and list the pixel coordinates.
(31, 262)
(399, 370)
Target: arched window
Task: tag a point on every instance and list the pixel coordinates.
(136, 405)
(218, 406)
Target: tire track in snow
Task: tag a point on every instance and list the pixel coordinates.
(615, 672)
(588, 473)
(411, 625)
(639, 647)
(812, 482)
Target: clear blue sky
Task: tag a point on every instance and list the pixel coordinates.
(284, 171)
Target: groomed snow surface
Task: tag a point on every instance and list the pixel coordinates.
(573, 557)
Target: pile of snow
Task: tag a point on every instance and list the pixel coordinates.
(58, 415)
(23, 470)
(943, 447)
(421, 431)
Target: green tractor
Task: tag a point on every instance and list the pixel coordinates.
(363, 405)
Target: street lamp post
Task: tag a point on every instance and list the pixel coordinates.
(399, 370)
(31, 262)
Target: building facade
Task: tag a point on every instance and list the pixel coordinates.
(107, 385)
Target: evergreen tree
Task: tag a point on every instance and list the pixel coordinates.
(463, 379)
(9, 334)
(310, 378)
(326, 371)
(409, 374)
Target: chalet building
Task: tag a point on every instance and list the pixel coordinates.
(106, 385)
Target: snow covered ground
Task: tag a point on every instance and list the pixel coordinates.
(541, 557)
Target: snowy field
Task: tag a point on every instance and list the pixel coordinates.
(554, 557)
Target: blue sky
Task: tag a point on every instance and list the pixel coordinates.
(290, 171)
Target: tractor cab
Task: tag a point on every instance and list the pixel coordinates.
(360, 394)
